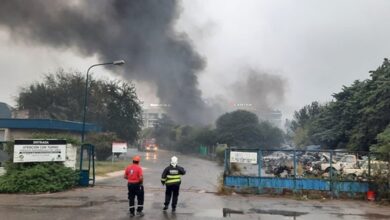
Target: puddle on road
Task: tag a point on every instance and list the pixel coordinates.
(227, 212)
(278, 212)
(230, 213)
(209, 213)
(363, 216)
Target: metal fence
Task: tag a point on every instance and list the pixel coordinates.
(333, 171)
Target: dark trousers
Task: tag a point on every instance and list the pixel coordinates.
(135, 190)
(169, 191)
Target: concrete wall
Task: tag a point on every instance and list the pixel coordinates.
(71, 156)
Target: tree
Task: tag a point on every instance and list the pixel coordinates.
(189, 138)
(123, 110)
(383, 138)
(112, 104)
(301, 137)
(206, 136)
(356, 118)
(103, 144)
(305, 115)
(270, 136)
(242, 129)
(165, 132)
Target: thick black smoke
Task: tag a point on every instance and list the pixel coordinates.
(138, 31)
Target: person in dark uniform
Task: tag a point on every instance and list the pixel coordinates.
(134, 176)
(171, 178)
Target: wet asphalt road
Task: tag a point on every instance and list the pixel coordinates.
(197, 200)
(202, 174)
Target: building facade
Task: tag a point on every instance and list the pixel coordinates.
(152, 113)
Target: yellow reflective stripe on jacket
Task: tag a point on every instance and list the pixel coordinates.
(173, 176)
(172, 181)
(163, 179)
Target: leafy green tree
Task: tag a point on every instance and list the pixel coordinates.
(206, 136)
(123, 110)
(356, 118)
(103, 144)
(243, 129)
(112, 104)
(190, 138)
(383, 145)
(186, 139)
(301, 137)
(270, 136)
(165, 132)
(183, 138)
(305, 115)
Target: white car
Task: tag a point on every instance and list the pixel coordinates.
(348, 161)
(378, 168)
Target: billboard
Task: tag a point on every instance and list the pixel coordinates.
(39, 151)
(243, 157)
(119, 147)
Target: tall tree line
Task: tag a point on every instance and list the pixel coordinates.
(241, 129)
(358, 118)
(111, 104)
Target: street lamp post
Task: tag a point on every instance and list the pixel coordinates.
(117, 62)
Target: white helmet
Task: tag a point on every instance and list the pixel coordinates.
(174, 161)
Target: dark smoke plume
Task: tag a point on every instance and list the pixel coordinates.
(138, 31)
(258, 90)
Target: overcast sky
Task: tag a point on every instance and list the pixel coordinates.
(315, 46)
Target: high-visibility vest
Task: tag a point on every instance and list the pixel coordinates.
(172, 175)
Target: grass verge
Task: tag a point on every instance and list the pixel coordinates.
(104, 167)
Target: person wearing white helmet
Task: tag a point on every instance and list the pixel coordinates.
(171, 178)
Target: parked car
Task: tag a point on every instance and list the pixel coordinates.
(348, 161)
(377, 169)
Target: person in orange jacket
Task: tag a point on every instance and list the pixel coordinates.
(134, 177)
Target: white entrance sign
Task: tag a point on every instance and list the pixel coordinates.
(39, 151)
(243, 157)
(119, 147)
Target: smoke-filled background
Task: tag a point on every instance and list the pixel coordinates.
(140, 32)
(259, 90)
(313, 47)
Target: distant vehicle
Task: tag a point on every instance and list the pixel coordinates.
(148, 145)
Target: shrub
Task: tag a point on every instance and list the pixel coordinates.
(102, 143)
(220, 153)
(38, 177)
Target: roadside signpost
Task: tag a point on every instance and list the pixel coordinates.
(39, 151)
(243, 157)
(118, 147)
